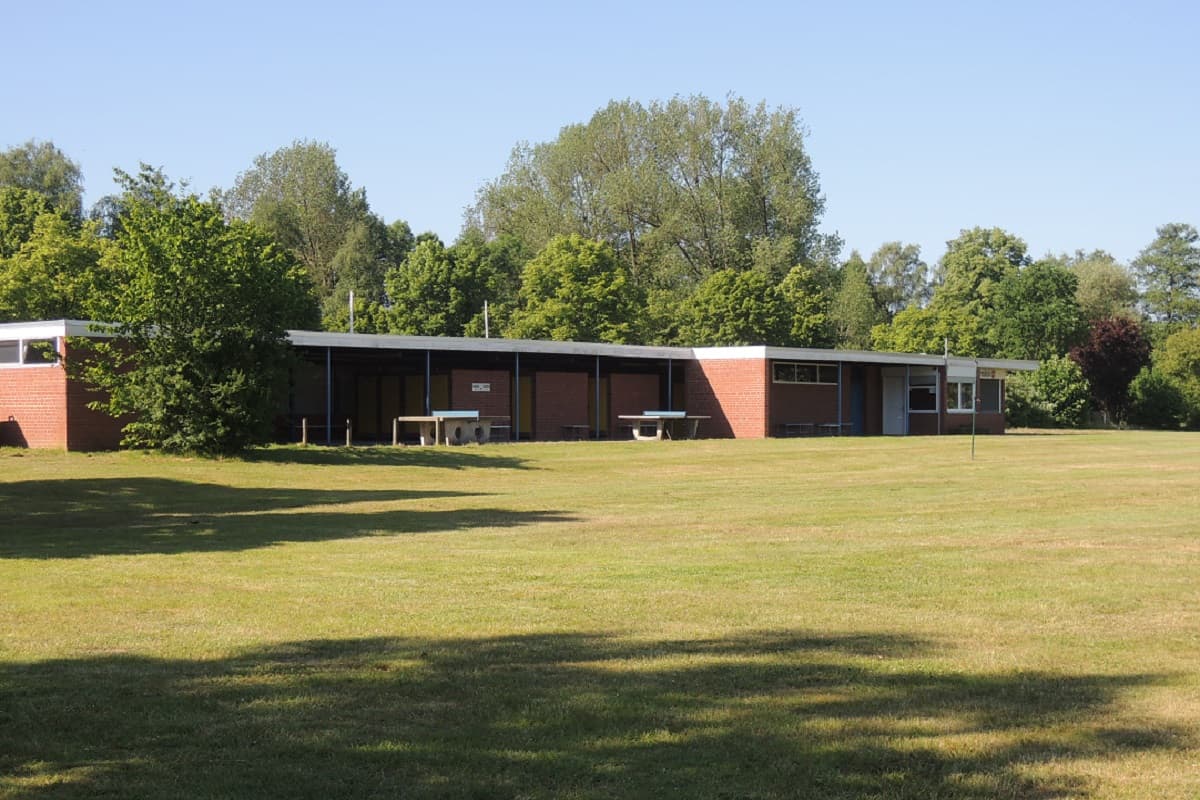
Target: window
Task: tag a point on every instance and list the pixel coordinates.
(40, 351)
(795, 372)
(922, 391)
(989, 395)
(28, 352)
(960, 397)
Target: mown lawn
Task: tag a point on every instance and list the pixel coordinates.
(828, 618)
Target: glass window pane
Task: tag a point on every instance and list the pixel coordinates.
(989, 395)
(40, 351)
(921, 398)
(784, 372)
(10, 352)
(806, 373)
(968, 396)
(828, 373)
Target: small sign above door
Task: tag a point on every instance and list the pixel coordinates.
(481, 387)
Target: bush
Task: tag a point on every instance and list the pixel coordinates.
(1055, 396)
(1157, 401)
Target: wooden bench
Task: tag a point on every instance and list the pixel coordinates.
(796, 428)
(575, 433)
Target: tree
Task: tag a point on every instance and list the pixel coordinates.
(54, 274)
(1036, 314)
(200, 309)
(302, 197)
(1115, 351)
(19, 211)
(735, 308)
(974, 265)
(679, 190)
(1180, 361)
(1169, 273)
(1105, 288)
(931, 330)
(900, 277)
(575, 289)
(803, 290)
(854, 310)
(43, 168)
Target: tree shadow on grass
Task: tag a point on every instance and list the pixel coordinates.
(773, 715)
(461, 457)
(75, 518)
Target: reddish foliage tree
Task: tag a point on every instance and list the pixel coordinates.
(1115, 351)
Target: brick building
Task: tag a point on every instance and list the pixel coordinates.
(548, 390)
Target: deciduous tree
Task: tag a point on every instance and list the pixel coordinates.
(576, 289)
(1115, 351)
(1036, 314)
(900, 277)
(43, 168)
(200, 308)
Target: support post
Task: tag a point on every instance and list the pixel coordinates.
(907, 414)
(670, 386)
(428, 401)
(839, 398)
(517, 400)
(347, 433)
(597, 399)
(328, 395)
(395, 431)
(304, 431)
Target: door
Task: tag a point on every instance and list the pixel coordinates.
(893, 405)
(858, 401)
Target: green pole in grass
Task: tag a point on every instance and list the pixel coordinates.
(974, 406)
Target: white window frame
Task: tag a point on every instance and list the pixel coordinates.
(23, 342)
(954, 397)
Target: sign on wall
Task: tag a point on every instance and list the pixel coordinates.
(481, 387)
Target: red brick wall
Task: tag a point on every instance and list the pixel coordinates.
(631, 394)
(496, 403)
(559, 398)
(33, 406)
(733, 392)
(88, 429)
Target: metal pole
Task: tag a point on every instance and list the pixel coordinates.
(428, 401)
(517, 401)
(839, 398)
(352, 311)
(974, 405)
(670, 386)
(328, 395)
(907, 413)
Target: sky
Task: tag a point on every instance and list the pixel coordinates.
(1071, 125)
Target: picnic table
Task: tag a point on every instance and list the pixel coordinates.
(453, 427)
(661, 421)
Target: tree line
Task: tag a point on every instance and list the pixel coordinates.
(689, 221)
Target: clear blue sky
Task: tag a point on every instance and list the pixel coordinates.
(1073, 125)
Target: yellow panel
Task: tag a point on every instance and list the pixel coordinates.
(439, 394)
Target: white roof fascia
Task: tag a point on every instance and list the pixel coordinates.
(51, 328)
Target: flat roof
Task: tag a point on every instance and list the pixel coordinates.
(376, 341)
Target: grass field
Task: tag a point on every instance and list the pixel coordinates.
(717, 619)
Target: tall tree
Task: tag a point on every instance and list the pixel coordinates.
(932, 330)
(1169, 273)
(1106, 288)
(19, 210)
(679, 189)
(1180, 361)
(54, 274)
(1036, 314)
(200, 308)
(974, 265)
(576, 289)
(1115, 351)
(900, 277)
(855, 310)
(43, 168)
(303, 198)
